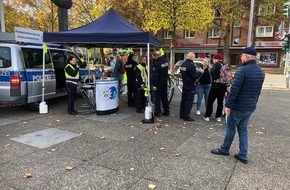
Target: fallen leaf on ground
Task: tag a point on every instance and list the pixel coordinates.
(152, 186)
(69, 168)
(27, 175)
(158, 125)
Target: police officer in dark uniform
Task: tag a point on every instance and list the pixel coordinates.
(131, 79)
(159, 80)
(72, 76)
(189, 76)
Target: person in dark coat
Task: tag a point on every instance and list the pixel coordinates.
(241, 103)
(159, 80)
(189, 76)
(131, 78)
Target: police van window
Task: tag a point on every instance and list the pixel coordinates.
(58, 59)
(5, 57)
(33, 58)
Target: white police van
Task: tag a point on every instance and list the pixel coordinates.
(21, 73)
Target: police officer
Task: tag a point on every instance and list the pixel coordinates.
(189, 76)
(72, 76)
(141, 82)
(159, 80)
(131, 79)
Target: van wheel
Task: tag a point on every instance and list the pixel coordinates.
(34, 106)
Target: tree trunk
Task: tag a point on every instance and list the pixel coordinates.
(103, 56)
(227, 44)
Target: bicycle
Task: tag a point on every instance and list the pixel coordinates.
(173, 82)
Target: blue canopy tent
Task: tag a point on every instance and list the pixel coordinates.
(109, 30)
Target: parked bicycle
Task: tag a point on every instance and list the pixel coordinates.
(173, 82)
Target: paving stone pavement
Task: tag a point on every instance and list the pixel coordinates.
(119, 152)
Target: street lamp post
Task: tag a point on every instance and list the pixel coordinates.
(249, 41)
(2, 20)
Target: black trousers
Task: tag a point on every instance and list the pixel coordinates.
(71, 94)
(132, 93)
(160, 95)
(140, 100)
(186, 103)
(215, 93)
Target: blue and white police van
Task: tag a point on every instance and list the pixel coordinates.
(21, 73)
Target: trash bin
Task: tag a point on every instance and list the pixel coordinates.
(107, 96)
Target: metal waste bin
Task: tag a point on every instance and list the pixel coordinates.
(107, 96)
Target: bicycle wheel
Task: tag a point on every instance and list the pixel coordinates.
(123, 93)
(170, 88)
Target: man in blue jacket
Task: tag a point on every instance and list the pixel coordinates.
(241, 103)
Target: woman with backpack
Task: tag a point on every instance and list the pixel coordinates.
(217, 90)
(203, 85)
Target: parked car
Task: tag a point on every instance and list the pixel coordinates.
(197, 62)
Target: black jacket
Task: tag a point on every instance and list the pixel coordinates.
(160, 71)
(189, 75)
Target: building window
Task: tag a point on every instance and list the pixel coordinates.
(189, 34)
(214, 33)
(264, 31)
(266, 9)
(217, 14)
(236, 41)
(167, 34)
(267, 58)
(237, 23)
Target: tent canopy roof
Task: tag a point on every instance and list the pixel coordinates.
(110, 30)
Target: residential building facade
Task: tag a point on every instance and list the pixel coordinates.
(206, 44)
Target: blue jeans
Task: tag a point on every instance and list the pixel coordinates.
(202, 90)
(240, 121)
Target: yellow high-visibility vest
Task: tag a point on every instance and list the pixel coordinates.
(68, 76)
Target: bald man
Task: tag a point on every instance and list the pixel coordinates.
(189, 76)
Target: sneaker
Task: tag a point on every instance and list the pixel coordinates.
(206, 119)
(218, 119)
(197, 112)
